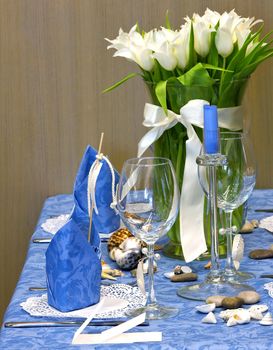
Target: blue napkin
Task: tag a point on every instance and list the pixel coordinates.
(106, 220)
(73, 270)
(73, 264)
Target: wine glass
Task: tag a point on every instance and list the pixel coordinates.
(235, 183)
(148, 201)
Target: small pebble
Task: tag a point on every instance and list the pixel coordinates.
(249, 296)
(184, 277)
(271, 247)
(215, 299)
(232, 302)
(261, 254)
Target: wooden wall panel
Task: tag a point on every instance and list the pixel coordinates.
(53, 67)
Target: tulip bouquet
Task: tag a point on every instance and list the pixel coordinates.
(208, 60)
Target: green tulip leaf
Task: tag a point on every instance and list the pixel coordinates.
(160, 91)
(129, 76)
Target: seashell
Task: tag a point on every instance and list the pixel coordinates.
(113, 272)
(131, 243)
(112, 253)
(105, 266)
(249, 296)
(208, 265)
(216, 299)
(177, 270)
(206, 308)
(181, 269)
(231, 322)
(255, 314)
(241, 316)
(260, 308)
(127, 260)
(226, 314)
(267, 320)
(169, 275)
(118, 237)
(209, 318)
(248, 227)
(255, 223)
(105, 275)
(238, 248)
(186, 269)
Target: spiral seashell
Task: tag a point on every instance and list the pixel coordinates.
(267, 320)
(118, 237)
(127, 260)
(131, 243)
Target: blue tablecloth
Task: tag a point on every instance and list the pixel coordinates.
(183, 332)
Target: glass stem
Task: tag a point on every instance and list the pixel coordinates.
(151, 300)
(214, 274)
(229, 261)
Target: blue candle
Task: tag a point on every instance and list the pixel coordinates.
(211, 132)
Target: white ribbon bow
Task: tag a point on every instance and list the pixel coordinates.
(192, 197)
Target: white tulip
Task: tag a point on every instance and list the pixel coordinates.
(224, 42)
(165, 56)
(225, 35)
(211, 17)
(182, 46)
(202, 35)
(133, 47)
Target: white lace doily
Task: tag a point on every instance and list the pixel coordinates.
(38, 306)
(267, 223)
(53, 225)
(269, 288)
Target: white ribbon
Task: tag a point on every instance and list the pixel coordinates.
(192, 197)
(92, 180)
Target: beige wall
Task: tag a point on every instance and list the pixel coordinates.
(53, 67)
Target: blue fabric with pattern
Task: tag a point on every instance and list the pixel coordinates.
(73, 265)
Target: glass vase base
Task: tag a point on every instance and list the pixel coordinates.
(155, 312)
(238, 276)
(204, 290)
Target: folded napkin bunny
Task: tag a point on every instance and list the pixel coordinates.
(73, 264)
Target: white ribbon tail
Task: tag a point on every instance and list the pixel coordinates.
(192, 203)
(91, 187)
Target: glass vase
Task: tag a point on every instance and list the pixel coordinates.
(172, 145)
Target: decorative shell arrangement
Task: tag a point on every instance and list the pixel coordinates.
(118, 237)
(125, 249)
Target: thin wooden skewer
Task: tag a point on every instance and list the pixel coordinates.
(92, 204)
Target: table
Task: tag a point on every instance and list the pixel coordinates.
(183, 332)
